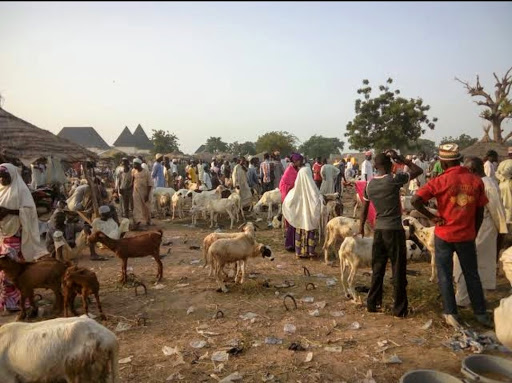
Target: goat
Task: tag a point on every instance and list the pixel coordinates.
(331, 207)
(248, 229)
(223, 205)
(28, 276)
(235, 196)
(354, 252)
(425, 236)
(336, 230)
(142, 245)
(270, 198)
(78, 280)
(236, 249)
(63, 349)
(413, 250)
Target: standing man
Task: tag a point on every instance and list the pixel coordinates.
(504, 175)
(252, 177)
(329, 173)
(239, 177)
(389, 237)
(265, 174)
(338, 186)
(491, 164)
(157, 173)
(317, 177)
(367, 167)
(142, 184)
(125, 188)
(460, 202)
(278, 169)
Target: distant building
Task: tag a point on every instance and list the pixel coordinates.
(86, 137)
(136, 143)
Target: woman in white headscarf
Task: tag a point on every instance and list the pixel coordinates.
(19, 229)
(301, 209)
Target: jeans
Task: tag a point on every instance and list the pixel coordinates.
(389, 244)
(466, 251)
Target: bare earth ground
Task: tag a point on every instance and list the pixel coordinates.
(188, 285)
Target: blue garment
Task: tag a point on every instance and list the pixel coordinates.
(252, 176)
(158, 175)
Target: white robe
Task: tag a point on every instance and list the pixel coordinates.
(504, 175)
(301, 207)
(486, 244)
(239, 178)
(17, 196)
(329, 174)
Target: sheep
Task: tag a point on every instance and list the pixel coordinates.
(142, 245)
(221, 206)
(331, 208)
(236, 249)
(357, 204)
(413, 250)
(336, 230)
(270, 198)
(248, 229)
(28, 276)
(78, 280)
(162, 199)
(235, 196)
(425, 236)
(195, 211)
(178, 201)
(63, 349)
(354, 252)
(200, 199)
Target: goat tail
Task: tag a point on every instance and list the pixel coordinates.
(327, 236)
(161, 232)
(114, 367)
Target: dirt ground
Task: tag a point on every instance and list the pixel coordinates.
(186, 284)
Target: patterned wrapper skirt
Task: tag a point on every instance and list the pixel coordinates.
(10, 296)
(305, 243)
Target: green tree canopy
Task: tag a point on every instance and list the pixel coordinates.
(283, 142)
(320, 146)
(215, 145)
(386, 120)
(464, 141)
(164, 142)
(243, 149)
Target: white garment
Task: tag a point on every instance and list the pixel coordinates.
(145, 166)
(329, 173)
(422, 179)
(174, 168)
(486, 244)
(490, 169)
(38, 176)
(504, 175)
(367, 169)
(301, 207)
(110, 227)
(207, 180)
(17, 196)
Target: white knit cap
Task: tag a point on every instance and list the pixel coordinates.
(137, 161)
(104, 209)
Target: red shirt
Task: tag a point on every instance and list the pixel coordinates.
(316, 171)
(459, 193)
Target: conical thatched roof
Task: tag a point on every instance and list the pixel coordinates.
(21, 139)
(86, 137)
(141, 139)
(481, 148)
(125, 139)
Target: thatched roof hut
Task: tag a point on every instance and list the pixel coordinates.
(480, 149)
(111, 153)
(21, 139)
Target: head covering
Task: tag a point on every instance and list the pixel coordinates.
(301, 207)
(449, 152)
(368, 153)
(17, 196)
(296, 157)
(137, 161)
(104, 209)
(158, 155)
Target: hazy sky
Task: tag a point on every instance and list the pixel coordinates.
(237, 70)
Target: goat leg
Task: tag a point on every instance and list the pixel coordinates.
(123, 270)
(159, 275)
(33, 311)
(97, 297)
(85, 303)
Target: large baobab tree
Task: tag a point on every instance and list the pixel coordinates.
(497, 109)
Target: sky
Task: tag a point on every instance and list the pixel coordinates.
(238, 70)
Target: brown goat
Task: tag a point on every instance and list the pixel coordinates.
(80, 281)
(28, 276)
(133, 247)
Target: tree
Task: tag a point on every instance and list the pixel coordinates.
(283, 142)
(319, 146)
(164, 142)
(464, 141)
(428, 147)
(497, 109)
(215, 145)
(387, 120)
(245, 148)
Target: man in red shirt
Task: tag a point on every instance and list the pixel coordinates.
(460, 199)
(317, 167)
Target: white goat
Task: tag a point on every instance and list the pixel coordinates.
(69, 349)
(354, 252)
(270, 198)
(221, 206)
(336, 230)
(237, 249)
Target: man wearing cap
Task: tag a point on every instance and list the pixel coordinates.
(124, 187)
(460, 201)
(108, 223)
(157, 174)
(504, 175)
(367, 167)
(329, 173)
(142, 184)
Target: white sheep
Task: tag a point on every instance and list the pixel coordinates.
(336, 230)
(426, 236)
(270, 198)
(413, 250)
(235, 196)
(221, 206)
(178, 201)
(201, 199)
(354, 252)
(74, 349)
(162, 200)
(237, 249)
